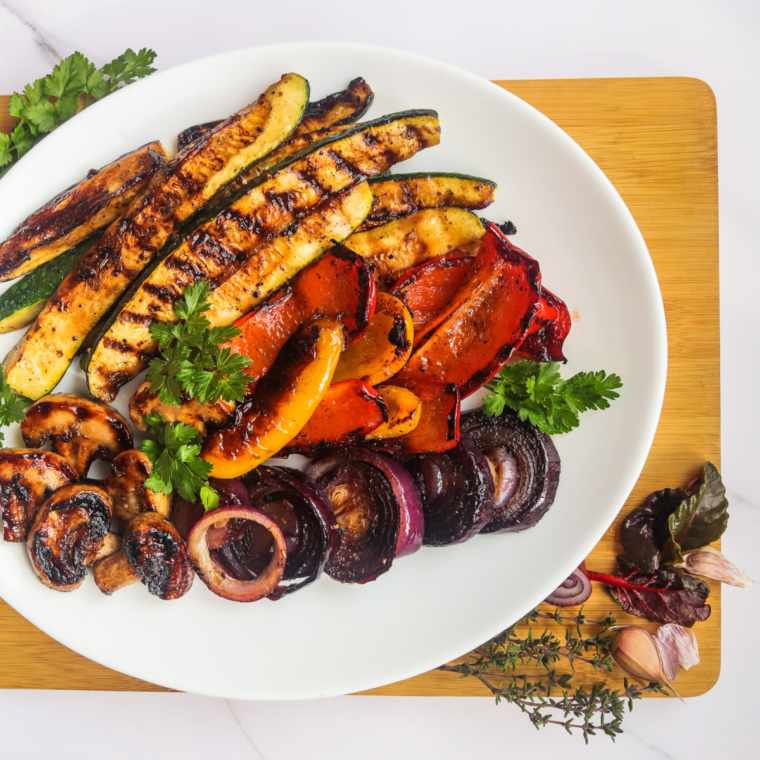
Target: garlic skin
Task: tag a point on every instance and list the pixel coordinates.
(635, 651)
(712, 564)
(678, 647)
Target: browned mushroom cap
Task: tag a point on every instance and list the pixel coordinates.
(67, 534)
(203, 417)
(81, 430)
(27, 478)
(126, 487)
(153, 553)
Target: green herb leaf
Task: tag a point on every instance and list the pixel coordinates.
(192, 362)
(538, 394)
(176, 463)
(48, 102)
(12, 406)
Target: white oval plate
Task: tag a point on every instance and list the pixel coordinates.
(439, 603)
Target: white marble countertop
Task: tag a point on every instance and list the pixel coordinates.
(496, 39)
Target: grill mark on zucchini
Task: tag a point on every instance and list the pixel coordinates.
(38, 362)
(267, 208)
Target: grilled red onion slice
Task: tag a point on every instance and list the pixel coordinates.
(456, 489)
(232, 493)
(301, 509)
(378, 509)
(216, 577)
(575, 590)
(524, 487)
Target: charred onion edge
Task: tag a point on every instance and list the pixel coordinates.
(411, 522)
(212, 575)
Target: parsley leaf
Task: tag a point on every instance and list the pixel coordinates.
(12, 406)
(48, 102)
(192, 361)
(176, 463)
(538, 394)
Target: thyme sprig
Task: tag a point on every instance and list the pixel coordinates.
(598, 710)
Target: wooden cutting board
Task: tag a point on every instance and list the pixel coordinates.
(656, 139)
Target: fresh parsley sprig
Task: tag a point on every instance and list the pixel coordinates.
(176, 462)
(538, 394)
(48, 102)
(192, 362)
(12, 406)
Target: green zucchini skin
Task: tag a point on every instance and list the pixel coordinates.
(18, 303)
(40, 359)
(399, 194)
(226, 241)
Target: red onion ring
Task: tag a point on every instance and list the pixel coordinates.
(575, 590)
(215, 577)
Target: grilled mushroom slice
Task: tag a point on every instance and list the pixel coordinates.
(27, 478)
(126, 487)
(154, 554)
(203, 417)
(68, 534)
(81, 430)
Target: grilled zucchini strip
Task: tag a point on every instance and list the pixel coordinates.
(79, 211)
(176, 192)
(402, 194)
(398, 246)
(340, 108)
(223, 245)
(332, 221)
(24, 300)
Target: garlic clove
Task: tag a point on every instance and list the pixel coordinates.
(635, 651)
(712, 564)
(677, 643)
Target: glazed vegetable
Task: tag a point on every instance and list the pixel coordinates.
(300, 507)
(338, 285)
(153, 554)
(219, 247)
(176, 192)
(403, 194)
(322, 118)
(429, 288)
(438, 425)
(484, 323)
(349, 411)
(383, 349)
(404, 411)
(80, 430)
(27, 478)
(525, 466)
(456, 490)
(378, 509)
(282, 404)
(75, 214)
(396, 247)
(279, 261)
(538, 394)
(68, 534)
(548, 330)
(218, 578)
(25, 299)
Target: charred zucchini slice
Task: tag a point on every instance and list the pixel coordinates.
(79, 211)
(400, 194)
(23, 300)
(224, 244)
(398, 246)
(176, 192)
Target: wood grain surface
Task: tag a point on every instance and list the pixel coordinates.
(656, 140)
